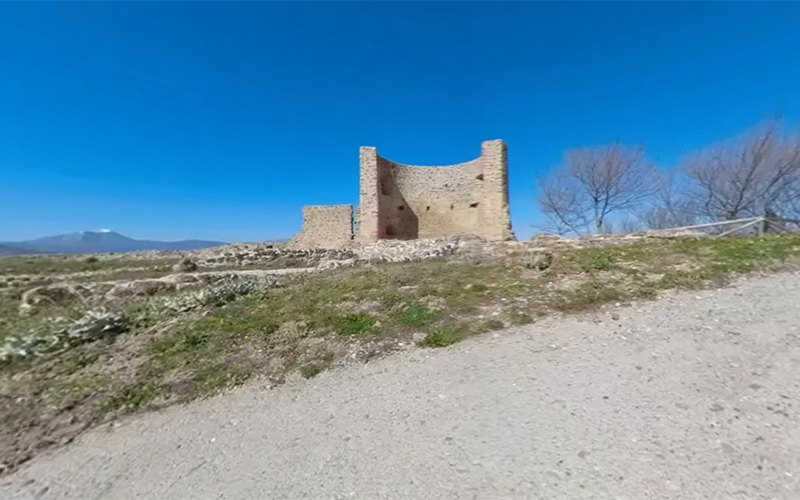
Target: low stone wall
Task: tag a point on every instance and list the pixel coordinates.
(324, 226)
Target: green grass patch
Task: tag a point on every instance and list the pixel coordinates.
(587, 296)
(594, 259)
(442, 338)
(212, 378)
(355, 323)
(132, 398)
(415, 314)
(77, 362)
(488, 325)
(520, 318)
(66, 264)
(311, 370)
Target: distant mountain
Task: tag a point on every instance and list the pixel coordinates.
(15, 249)
(103, 241)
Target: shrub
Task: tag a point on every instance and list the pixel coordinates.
(441, 338)
(415, 314)
(217, 295)
(63, 333)
(355, 323)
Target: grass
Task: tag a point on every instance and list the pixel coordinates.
(415, 314)
(352, 314)
(355, 323)
(442, 338)
(591, 260)
(588, 295)
(66, 264)
(311, 370)
(133, 397)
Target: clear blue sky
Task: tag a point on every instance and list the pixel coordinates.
(220, 120)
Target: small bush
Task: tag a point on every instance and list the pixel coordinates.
(520, 318)
(311, 370)
(216, 296)
(594, 260)
(586, 296)
(63, 333)
(490, 325)
(209, 379)
(355, 323)
(441, 338)
(133, 397)
(191, 340)
(415, 314)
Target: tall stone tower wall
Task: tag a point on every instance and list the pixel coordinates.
(399, 201)
(408, 201)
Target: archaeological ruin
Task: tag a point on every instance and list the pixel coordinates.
(399, 201)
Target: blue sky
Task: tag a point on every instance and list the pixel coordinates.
(220, 120)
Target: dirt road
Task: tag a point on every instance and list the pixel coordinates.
(693, 396)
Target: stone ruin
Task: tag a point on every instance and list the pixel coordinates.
(407, 202)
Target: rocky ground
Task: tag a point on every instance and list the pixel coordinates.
(692, 396)
(85, 340)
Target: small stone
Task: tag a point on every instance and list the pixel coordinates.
(186, 265)
(615, 316)
(539, 261)
(418, 337)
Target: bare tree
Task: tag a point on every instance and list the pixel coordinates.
(670, 206)
(563, 204)
(630, 225)
(749, 176)
(593, 183)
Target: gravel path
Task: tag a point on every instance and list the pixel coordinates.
(694, 396)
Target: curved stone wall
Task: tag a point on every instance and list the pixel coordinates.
(409, 201)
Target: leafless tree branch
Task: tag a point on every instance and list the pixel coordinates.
(750, 176)
(593, 183)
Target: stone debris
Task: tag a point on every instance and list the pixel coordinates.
(539, 261)
(276, 258)
(186, 265)
(59, 294)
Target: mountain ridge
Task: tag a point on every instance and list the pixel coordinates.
(102, 241)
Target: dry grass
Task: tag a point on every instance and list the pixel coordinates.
(314, 322)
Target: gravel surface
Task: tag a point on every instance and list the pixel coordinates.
(693, 396)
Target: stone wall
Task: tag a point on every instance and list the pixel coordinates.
(325, 226)
(406, 201)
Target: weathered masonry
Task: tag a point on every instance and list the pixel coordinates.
(325, 226)
(407, 201)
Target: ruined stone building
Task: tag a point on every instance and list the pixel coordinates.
(407, 201)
